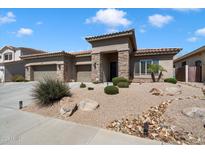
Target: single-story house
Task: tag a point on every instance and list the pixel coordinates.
(10, 62)
(114, 54)
(191, 67)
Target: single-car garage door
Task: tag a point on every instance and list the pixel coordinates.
(84, 73)
(44, 71)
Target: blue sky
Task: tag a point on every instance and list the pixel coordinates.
(65, 29)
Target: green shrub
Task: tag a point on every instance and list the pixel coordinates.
(123, 84)
(82, 85)
(48, 91)
(111, 90)
(18, 78)
(116, 80)
(96, 82)
(170, 80)
(90, 88)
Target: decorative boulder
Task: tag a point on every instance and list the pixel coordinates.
(68, 109)
(194, 112)
(171, 91)
(157, 92)
(88, 105)
(203, 90)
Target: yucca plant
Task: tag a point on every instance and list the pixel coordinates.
(156, 68)
(49, 91)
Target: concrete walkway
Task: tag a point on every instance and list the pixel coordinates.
(19, 127)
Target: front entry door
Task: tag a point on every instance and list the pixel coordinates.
(113, 70)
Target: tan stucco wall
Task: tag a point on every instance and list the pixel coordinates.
(166, 61)
(114, 44)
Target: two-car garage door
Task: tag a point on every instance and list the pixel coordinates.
(83, 73)
(44, 71)
(50, 71)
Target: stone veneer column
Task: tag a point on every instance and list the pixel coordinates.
(123, 64)
(60, 72)
(97, 74)
(29, 73)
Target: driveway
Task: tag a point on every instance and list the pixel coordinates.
(18, 127)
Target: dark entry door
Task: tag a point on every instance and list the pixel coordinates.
(113, 70)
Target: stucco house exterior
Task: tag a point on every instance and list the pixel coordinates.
(11, 63)
(191, 67)
(114, 54)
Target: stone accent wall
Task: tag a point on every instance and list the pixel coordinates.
(97, 74)
(123, 64)
(29, 73)
(61, 72)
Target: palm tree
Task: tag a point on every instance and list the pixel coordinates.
(156, 68)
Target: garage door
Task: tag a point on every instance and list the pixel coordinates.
(84, 73)
(44, 71)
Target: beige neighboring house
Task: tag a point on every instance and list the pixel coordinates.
(112, 55)
(11, 63)
(191, 67)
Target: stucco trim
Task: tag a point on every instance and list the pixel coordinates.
(44, 63)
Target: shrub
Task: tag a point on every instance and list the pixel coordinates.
(49, 91)
(170, 80)
(90, 88)
(116, 80)
(82, 85)
(18, 78)
(96, 82)
(111, 90)
(123, 84)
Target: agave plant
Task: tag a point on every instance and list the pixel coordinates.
(49, 91)
(156, 68)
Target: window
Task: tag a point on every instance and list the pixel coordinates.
(8, 56)
(141, 67)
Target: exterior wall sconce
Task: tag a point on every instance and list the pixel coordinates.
(20, 104)
(59, 67)
(94, 65)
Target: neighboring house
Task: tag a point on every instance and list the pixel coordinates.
(112, 55)
(191, 67)
(11, 63)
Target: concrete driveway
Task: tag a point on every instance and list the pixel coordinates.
(19, 127)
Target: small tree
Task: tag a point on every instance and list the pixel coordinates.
(156, 68)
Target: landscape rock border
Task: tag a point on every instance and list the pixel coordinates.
(158, 129)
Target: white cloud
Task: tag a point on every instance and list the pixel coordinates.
(24, 32)
(200, 32)
(8, 18)
(186, 9)
(159, 20)
(39, 23)
(193, 39)
(110, 17)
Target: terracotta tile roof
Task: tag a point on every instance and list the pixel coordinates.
(23, 49)
(201, 49)
(110, 35)
(81, 52)
(44, 55)
(157, 51)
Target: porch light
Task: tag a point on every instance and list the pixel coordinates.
(20, 104)
(146, 129)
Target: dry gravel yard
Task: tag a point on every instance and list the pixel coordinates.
(130, 102)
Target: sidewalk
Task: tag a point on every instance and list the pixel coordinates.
(18, 127)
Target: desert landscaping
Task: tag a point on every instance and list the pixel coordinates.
(169, 109)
